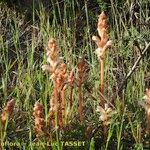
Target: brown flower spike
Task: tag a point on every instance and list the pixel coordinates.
(7, 111)
(53, 58)
(103, 42)
(39, 119)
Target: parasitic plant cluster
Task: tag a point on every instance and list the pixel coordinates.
(61, 80)
(39, 120)
(7, 111)
(58, 70)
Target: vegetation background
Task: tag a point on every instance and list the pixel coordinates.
(25, 28)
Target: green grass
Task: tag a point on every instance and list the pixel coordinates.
(22, 53)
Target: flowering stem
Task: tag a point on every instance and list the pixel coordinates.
(102, 80)
(105, 129)
(63, 106)
(56, 100)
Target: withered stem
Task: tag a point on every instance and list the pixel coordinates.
(80, 102)
(71, 96)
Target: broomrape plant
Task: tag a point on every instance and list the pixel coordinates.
(103, 44)
(59, 75)
(39, 119)
(7, 112)
(62, 80)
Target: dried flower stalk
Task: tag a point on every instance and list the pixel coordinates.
(82, 76)
(61, 81)
(39, 119)
(103, 44)
(7, 111)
